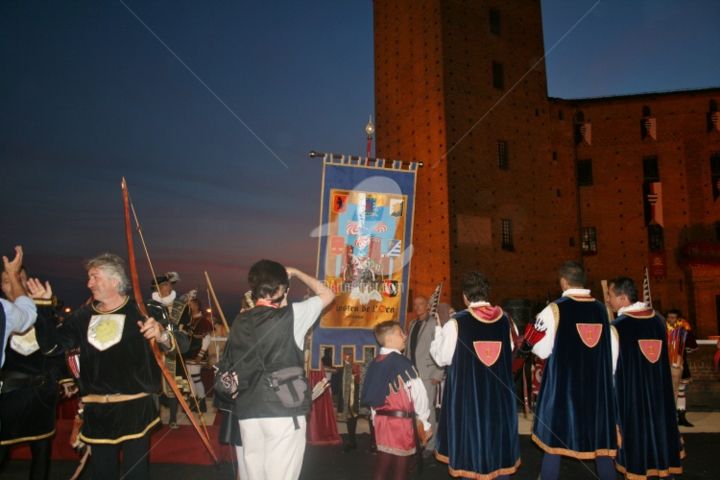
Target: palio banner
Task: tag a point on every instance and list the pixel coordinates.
(364, 252)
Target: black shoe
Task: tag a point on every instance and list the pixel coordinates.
(682, 419)
(348, 447)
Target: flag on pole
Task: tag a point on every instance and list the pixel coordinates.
(654, 198)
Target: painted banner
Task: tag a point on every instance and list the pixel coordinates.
(364, 251)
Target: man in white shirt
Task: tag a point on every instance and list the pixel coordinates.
(265, 339)
(19, 312)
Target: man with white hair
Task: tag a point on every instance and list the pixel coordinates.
(118, 372)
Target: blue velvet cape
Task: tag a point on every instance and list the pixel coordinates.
(651, 444)
(478, 423)
(575, 413)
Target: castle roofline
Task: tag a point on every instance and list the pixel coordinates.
(633, 96)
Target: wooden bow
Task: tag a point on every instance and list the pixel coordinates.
(159, 357)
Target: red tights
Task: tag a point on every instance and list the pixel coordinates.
(392, 467)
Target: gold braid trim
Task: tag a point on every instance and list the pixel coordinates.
(475, 475)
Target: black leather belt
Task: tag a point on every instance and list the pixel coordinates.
(16, 380)
(395, 413)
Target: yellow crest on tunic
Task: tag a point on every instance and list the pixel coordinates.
(105, 330)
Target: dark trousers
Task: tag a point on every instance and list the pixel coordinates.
(105, 462)
(40, 463)
(551, 467)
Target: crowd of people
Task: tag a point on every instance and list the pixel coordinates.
(612, 388)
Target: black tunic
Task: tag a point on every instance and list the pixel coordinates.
(115, 358)
(27, 411)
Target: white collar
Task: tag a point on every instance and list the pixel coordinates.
(575, 291)
(478, 304)
(385, 350)
(635, 307)
(167, 301)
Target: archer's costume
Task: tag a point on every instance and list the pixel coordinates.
(681, 341)
(478, 427)
(118, 372)
(575, 413)
(651, 444)
(28, 399)
(175, 315)
(392, 385)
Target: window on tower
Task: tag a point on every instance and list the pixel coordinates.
(498, 75)
(715, 174)
(506, 234)
(656, 238)
(589, 240)
(502, 152)
(584, 173)
(651, 171)
(495, 21)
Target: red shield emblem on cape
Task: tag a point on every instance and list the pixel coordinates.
(651, 348)
(487, 352)
(590, 333)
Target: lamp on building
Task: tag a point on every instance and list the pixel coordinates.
(369, 131)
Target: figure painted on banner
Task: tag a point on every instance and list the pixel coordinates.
(173, 309)
(681, 342)
(199, 331)
(118, 373)
(19, 314)
(420, 335)
(397, 398)
(478, 427)
(29, 393)
(651, 444)
(574, 335)
(265, 344)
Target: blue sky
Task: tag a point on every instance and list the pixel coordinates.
(89, 95)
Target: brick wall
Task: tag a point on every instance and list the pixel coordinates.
(436, 102)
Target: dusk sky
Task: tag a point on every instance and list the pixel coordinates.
(213, 138)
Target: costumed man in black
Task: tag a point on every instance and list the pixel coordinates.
(681, 341)
(173, 309)
(267, 342)
(199, 332)
(651, 444)
(478, 425)
(29, 393)
(575, 413)
(118, 371)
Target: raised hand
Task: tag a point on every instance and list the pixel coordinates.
(37, 290)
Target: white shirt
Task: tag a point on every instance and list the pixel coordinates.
(305, 314)
(635, 307)
(545, 321)
(443, 346)
(20, 315)
(417, 393)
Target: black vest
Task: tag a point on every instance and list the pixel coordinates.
(261, 342)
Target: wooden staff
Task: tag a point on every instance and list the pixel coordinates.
(606, 297)
(215, 300)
